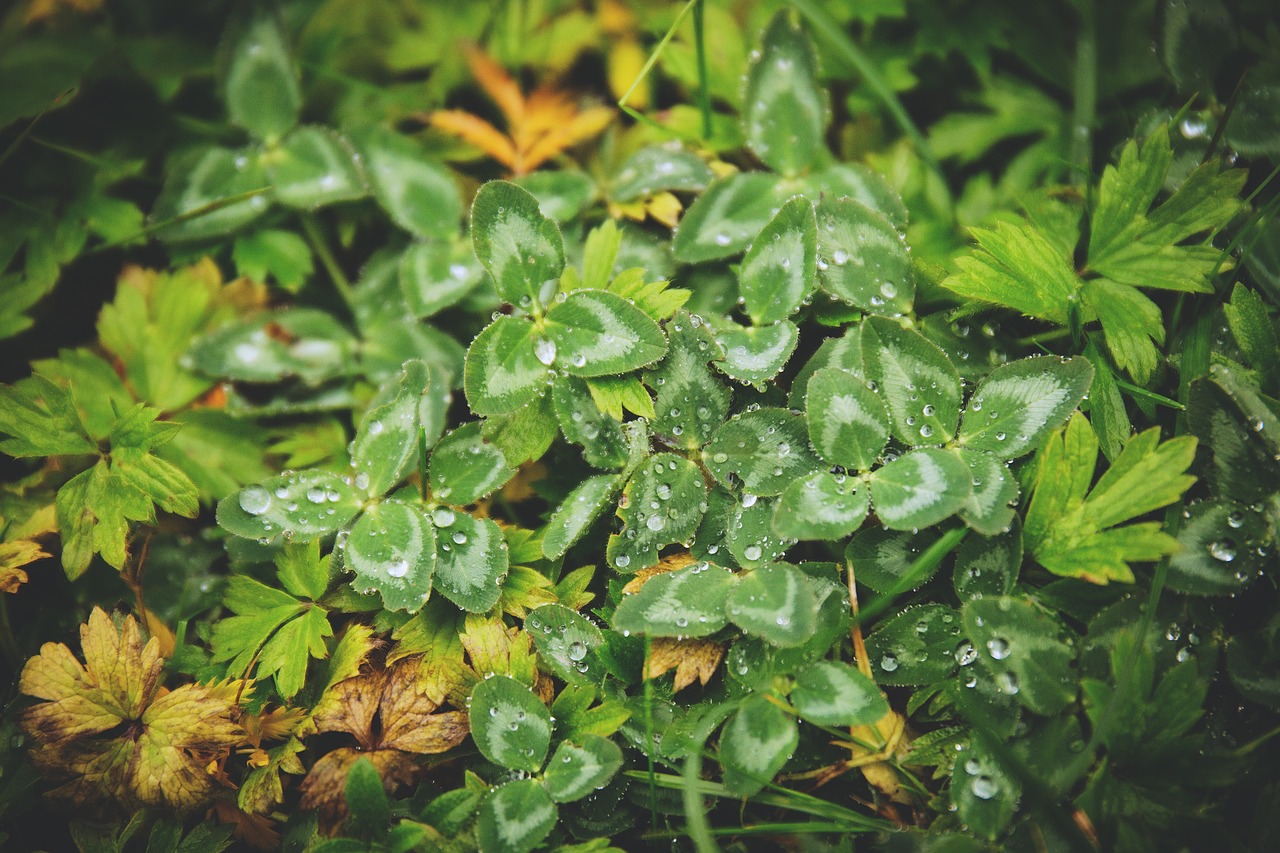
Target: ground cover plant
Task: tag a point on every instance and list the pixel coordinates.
(622, 426)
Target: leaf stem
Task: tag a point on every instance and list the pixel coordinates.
(1085, 90)
(311, 228)
(704, 92)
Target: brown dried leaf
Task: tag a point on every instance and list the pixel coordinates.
(14, 555)
(693, 659)
(669, 563)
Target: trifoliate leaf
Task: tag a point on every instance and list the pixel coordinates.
(776, 603)
(689, 602)
(725, 218)
(661, 504)
(882, 558)
(211, 192)
(418, 193)
(1021, 402)
(691, 402)
(304, 504)
(1224, 548)
(863, 258)
(567, 642)
(765, 450)
(1025, 649)
(754, 745)
(920, 488)
(848, 423)
(988, 565)
(595, 333)
(984, 793)
(750, 535)
(916, 380)
(785, 110)
(860, 183)
(779, 269)
(521, 248)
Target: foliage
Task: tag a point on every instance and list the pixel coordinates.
(746, 465)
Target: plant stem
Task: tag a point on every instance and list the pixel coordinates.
(315, 237)
(1085, 86)
(704, 92)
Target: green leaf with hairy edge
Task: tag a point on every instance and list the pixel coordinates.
(1252, 328)
(985, 795)
(766, 449)
(918, 383)
(268, 347)
(510, 725)
(595, 333)
(778, 272)
(464, 467)
(259, 82)
(844, 352)
(612, 394)
(562, 193)
(273, 254)
(580, 509)
(1026, 650)
(863, 258)
(471, 560)
(521, 248)
(435, 276)
(848, 422)
(301, 569)
(915, 646)
(1016, 266)
(785, 110)
(293, 504)
(691, 402)
(676, 487)
(858, 182)
(1021, 402)
(920, 488)
(988, 565)
(314, 166)
(198, 184)
(882, 558)
(503, 371)
(775, 603)
(386, 442)
(1238, 427)
(659, 168)
(750, 535)
(989, 508)
(525, 434)
(578, 769)
(286, 653)
(567, 642)
(836, 694)
(725, 218)
(756, 354)
(392, 550)
(1076, 532)
(599, 253)
(689, 602)
(1223, 548)
(657, 299)
(516, 817)
(41, 419)
(417, 192)
(821, 506)
(755, 744)
(1132, 323)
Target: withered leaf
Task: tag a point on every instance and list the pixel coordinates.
(693, 659)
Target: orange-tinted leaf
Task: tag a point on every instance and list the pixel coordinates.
(497, 84)
(478, 132)
(692, 659)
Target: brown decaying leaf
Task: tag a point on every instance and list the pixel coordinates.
(539, 126)
(693, 660)
(669, 563)
(391, 720)
(112, 733)
(13, 556)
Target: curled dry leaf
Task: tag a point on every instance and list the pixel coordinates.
(669, 563)
(111, 732)
(391, 720)
(693, 659)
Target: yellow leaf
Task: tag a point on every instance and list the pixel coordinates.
(625, 61)
(497, 84)
(692, 659)
(669, 563)
(14, 555)
(665, 208)
(478, 132)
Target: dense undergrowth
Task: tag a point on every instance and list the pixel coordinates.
(543, 425)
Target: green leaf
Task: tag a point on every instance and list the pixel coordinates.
(860, 183)
(386, 443)
(285, 654)
(510, 725)
(464, 467)
(599, 254)
(567, 642)
(435, 276)
(290, 505)
(1017, 266)
(612, 394)
(595, 333)
(1025, 649)
(785, 109)
(660, 505)
(657, 299)
(756, 354)
(200, 186)
(775, 603)
(821, 506)
(1132, 323)
(920, 488)
(471, 560)
(750, 535)
(516, 817)
(562, 193)
(691, 402)
(916, 646)
(578, 769)
(779, 269)
(988, 565)
(985, 795)
(688, 602)
(315, 166)
(1074, 531)
(525, 434)
(848, 423)
(1253, 129)
(521, 248)
(1021, 402)
(989, 509)
(1106, 405)
(755, 744)
(844, 352)
(301, 569)
(659, 168)
(271, 629)
(725, 218)
(580, 509)
(367, 800)
(830, 693)
(259, 83)
(503, 370)
(268, 347)
(417, 192)
(270, 253)
(1238, 427)
(1223, 549)
(1252, 328)
(863, 258)
(765, 449)
(41, 419)
(392, 550)
(916, 380)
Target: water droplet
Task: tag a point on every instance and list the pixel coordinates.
(459, 538)
(544, 349)
(748, 500)
(622, 561)
(998, 647)
(1223, 550)
(255, 500)
(361, 481)
(889, 663)
(984, 787)
(752, 552)
(375, 427)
